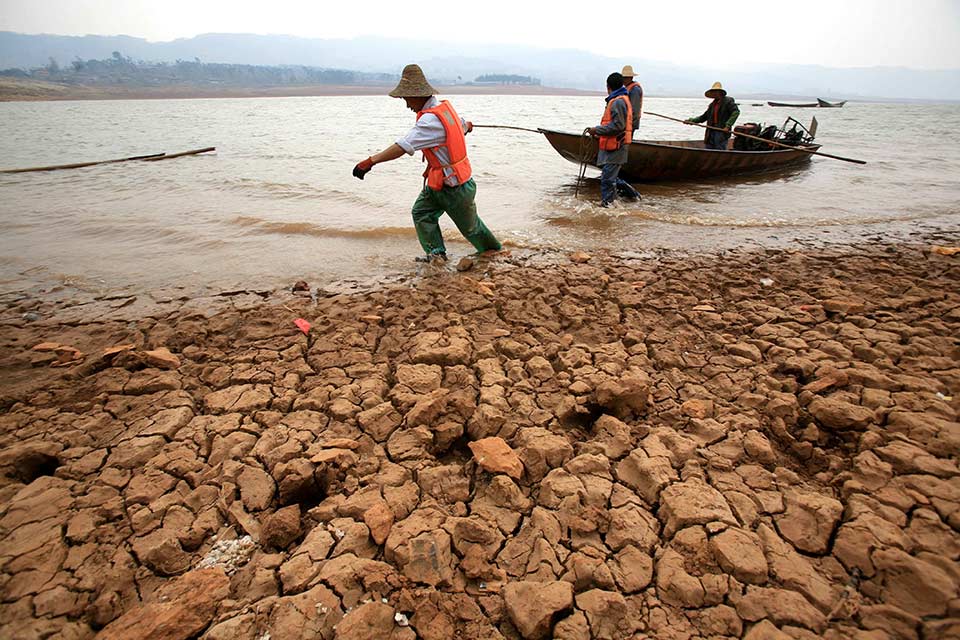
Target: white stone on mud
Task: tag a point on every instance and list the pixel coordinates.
(229, 555)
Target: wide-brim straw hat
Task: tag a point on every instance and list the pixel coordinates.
(627, 72)
(413, 84)
(716, 87)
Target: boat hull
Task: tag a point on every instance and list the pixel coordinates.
(652, 161)
(795, 105)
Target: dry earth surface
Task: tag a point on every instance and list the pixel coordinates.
(753, 445)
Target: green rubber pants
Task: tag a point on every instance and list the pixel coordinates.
(458, 203)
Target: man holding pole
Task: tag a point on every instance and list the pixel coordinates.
(449, 187)
(615, 133)
(722, 113)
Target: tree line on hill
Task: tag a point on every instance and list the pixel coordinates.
(123, 70)
(503, 78)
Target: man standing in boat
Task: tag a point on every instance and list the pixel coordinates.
(615, 133)
(635, 91)
(449, 187)
(722, 113)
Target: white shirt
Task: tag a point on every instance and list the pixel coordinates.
(429, 133)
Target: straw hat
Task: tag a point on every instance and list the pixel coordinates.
(716, 87)
(627, 72)
(413, 84)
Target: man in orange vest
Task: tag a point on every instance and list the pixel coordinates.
(449, 187)
(615, 133)
(635, 91)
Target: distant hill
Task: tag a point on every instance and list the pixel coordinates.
(452, 63)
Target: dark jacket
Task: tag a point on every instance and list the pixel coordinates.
(724, 117)
(616, 126)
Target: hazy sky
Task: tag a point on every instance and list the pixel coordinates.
(842, 33)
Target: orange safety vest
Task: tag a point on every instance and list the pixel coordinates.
(631, 86)
(612, 143)
(456, 146)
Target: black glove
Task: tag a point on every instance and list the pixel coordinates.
(363, 168)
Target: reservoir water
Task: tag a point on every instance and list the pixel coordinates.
(277, 203)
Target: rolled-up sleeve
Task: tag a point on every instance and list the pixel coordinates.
(428, 132)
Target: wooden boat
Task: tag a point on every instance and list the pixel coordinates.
(798, 105)
(808, 105)
(653, 160)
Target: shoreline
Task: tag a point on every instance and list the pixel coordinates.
(665, 444)
(31, 90)
(35, 91)
(38, 283)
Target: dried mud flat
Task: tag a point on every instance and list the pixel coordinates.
(752, 445)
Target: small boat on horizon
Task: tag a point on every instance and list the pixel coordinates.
(796, 105)
(820, 103)
(829, 105)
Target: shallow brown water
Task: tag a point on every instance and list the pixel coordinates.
(277, 202)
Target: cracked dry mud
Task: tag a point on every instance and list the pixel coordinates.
(623, 448)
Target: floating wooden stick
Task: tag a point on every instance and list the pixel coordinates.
(78, 165)
(169, 156)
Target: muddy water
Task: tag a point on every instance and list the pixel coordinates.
(277, 202)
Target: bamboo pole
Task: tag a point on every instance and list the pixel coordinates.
(771, 142)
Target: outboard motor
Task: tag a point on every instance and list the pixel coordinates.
(796, 135)
(741, 143)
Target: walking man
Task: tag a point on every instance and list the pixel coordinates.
(449, 187)
(615, 133)
(722, 113)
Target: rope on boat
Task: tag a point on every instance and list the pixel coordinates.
(584, 156)
(584, 149)
(503, 126)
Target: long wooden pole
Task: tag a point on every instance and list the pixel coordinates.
(79, 165)
(170, 156)
(153, 157)
(771, 142)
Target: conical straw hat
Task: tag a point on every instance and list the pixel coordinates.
(413, 84)
(716, 87)
(627, 72)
